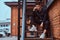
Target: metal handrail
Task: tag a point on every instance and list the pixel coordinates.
(18, 19)
(23, 19)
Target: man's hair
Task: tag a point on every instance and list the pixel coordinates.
(39, 3)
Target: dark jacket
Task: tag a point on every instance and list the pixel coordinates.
(42, 16)
(37, 17)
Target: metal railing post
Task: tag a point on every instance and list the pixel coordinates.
(18, 19)
(23, 19)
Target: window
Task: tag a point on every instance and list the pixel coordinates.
(1, 25)
(6, 25)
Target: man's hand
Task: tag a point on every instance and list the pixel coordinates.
(34, 8)
(41, 24)
(44, 31)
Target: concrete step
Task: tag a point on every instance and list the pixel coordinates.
(37, 39)
(36, 33)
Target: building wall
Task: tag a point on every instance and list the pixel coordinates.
(5, 27)
(14, 20)
(54, 15)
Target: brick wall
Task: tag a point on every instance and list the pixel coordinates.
(54, 14)
(14, 20)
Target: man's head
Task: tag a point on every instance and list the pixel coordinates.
(38, 7)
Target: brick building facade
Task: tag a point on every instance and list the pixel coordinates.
(53, 12)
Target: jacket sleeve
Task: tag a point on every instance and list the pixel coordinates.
(32, 16)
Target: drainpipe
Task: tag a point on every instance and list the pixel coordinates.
(23, 19)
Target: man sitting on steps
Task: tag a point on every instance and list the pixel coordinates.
(37, 18)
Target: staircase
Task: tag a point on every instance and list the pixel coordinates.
(39, 32)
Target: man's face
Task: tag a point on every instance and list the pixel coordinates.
(38, 7)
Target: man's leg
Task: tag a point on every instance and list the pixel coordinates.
(40, 28)
(43, 34)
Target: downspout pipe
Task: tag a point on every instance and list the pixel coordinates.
(23, 19)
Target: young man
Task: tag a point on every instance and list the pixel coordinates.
(37, 18)
(37, 15)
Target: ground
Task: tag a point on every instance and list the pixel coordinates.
(9, 38)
